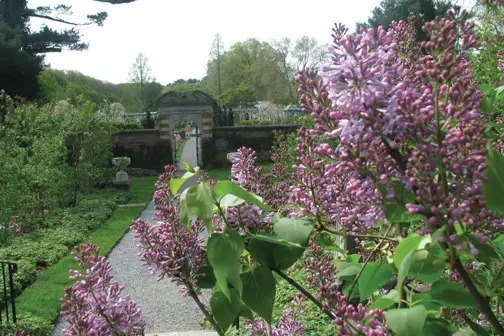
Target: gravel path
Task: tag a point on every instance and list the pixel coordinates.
(163, 307)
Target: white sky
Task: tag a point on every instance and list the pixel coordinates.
(176, 35)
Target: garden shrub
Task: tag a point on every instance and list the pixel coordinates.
(253, 122)
(49, 156)
(125, 125)
(31, 325)
(49, 243)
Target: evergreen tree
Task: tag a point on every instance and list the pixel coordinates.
(396, 10)
(22, 48)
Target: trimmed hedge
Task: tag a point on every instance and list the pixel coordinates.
(253, 122)
(60, 231)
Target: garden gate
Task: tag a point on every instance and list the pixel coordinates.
(195, 107)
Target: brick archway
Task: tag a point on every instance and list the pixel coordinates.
(196, 107)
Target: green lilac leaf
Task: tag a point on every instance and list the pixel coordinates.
(327, 242)
(184, 212)
(199, 202)
(224, 251)
(494, 185)
(385, 301)
(225, 310)
(176, 183)
(437, 327)
(295, 230)
(406, 247)
(259, 291)
(451, 294)
(274, 253)
(228, 187)
(427, 269)
(406, 321)
(373, 277)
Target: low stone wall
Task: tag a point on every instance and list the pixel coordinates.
(145, 148)
(230, 138)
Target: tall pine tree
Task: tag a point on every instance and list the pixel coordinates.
(22, 49)
(396, 10)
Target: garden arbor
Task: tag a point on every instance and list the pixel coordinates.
(195, 107)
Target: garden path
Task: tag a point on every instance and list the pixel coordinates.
(164, 309)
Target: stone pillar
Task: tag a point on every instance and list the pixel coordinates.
(164, 127)
(206, 125)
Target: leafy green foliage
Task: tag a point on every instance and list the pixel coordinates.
(223, 188)
(199, 203)
(407, 321)
(274, 252)
(495, 182)
(405, 248)
(295, 230)
(223, 253)
(451, 294)
(373, 277)
(259, 291)
(21, 46)
(226, 308)
(64, 229)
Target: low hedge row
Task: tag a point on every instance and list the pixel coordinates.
(253, 122)
(60, 231)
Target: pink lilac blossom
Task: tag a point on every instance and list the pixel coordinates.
(375, 107)
(243, 171)
(93, 305)
(272, 188)
(322, 277)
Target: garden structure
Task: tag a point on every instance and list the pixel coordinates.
(195, 107)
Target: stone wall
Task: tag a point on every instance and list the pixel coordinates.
(228, 139)
(145, 148)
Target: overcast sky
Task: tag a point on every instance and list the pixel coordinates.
(176, 35)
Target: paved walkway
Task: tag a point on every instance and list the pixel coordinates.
(189, 152)
(163, 307)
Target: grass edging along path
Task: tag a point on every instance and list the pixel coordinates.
(42, 299)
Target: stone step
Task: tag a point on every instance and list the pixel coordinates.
(185, 333)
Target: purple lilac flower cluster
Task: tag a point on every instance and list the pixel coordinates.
(376, 106)
(272, 188)
(93, 304)
(168, 247)
(289, 324)
(322, 277)
(244, 172)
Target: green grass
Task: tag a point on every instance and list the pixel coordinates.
(42, 298)
(142, 189)
(220, 174)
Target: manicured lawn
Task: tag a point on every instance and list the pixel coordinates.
(142, 189)
(42, 298)
(220, 174)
